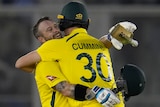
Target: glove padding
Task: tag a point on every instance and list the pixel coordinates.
(122, 34)
(104, 96)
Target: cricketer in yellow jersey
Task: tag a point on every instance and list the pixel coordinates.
(94, 46)
(89, 64)
(45, 83)
(81, 49)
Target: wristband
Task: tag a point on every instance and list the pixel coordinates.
(80, 92)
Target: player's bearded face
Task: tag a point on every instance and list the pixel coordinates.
(53, 35)
(57, 35)
(49, 30)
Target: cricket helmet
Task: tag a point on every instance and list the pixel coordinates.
(135, 79)
(73, 14)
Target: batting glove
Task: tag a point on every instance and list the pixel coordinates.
(116, 44)
(104, 96)
(122, 34)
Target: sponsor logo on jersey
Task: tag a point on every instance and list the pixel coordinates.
(51, 78)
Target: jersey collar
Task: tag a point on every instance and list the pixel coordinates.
(78, 30)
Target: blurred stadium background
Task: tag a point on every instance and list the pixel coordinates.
(18, 89)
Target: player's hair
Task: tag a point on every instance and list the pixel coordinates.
(35, 31)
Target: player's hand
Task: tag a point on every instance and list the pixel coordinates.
(111, 40)
(122, 34)
(105, 96)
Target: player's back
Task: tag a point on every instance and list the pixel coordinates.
(85, 60)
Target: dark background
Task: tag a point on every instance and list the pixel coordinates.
(18, 89)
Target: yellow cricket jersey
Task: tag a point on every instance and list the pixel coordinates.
(47, 75)
(83, 60)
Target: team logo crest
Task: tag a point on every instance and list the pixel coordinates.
(79, 16)
(51, 78)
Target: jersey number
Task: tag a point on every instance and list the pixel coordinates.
(98, 67)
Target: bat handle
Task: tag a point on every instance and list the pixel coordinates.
(134, 43)
(131, 41)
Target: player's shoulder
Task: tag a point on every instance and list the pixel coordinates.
(53, 42)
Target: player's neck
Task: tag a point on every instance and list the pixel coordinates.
(69, 30)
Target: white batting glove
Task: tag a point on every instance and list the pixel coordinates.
(117, 44)
(131, 27)
(123, 33)
(104, 96)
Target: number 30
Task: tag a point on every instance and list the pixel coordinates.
(98, 65)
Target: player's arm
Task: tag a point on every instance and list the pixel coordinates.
(28, 62)
(119, 35)
(79, 92)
